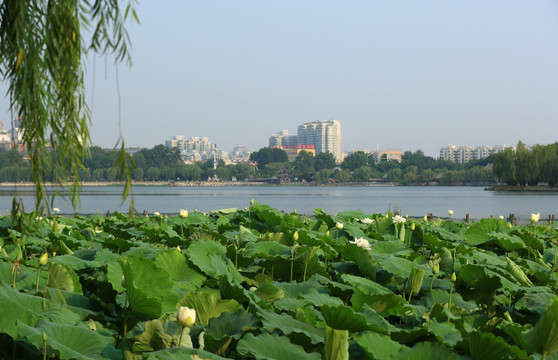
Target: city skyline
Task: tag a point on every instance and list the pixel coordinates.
(397, 75)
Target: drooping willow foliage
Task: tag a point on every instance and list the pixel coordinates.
(43, 44)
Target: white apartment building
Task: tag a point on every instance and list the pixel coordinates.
(463, 154)
(193, 149)
(282, 138)
(324, 135)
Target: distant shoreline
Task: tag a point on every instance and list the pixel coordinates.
(519, 188)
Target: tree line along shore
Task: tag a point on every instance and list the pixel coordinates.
(161, 165)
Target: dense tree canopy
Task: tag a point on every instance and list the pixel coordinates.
(527, 166)
(269, 155)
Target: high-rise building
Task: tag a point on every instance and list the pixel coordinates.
(282, 138)
(324, 135)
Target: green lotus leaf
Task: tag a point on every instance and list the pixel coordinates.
(181, 353)
(291, 221)
(476, 276)
(319, 299)
(391, 247)
(294, 289)
(508, 242)
(270, 216)
(230, 289)
(384, 304)
(378, 346)
(399, 267)
(195, 218)
(269, 292)
(64, 278)
(543, 338)
(149, 288)
(326, 218)
(446, 260)
(342, 317)
(445, 332)
(364, 259)
(536, 302)
(273, 347)
(114, 276)
(246, 234)
(75, 263)
(440, 296)
(336, 344)
(287, 325)
(78, 303)
(185, 277)
(366, 286)
(426, 351)
(487, 346)
(354, 231)
(478, 233)
(18, 308)
(267, 250)
(207, 305)
(157, 334)
(210, 257)
(376, 322)
(230, 325)
(70, 341)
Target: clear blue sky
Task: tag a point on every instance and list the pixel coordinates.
(406, 73)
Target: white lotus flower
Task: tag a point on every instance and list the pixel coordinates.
(367, 221)
(361, 242)
(55, 210)
(157, 214)
(339, 225)
(399, 219)
(186, 316)
(501, 217)
(535, 217)
(450, 212)
(183, 213)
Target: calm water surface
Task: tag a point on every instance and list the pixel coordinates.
(415, 201)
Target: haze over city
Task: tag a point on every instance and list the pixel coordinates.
(410, 75)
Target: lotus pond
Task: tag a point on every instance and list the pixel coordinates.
(269, 285)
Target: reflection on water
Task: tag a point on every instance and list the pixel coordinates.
(415, 201)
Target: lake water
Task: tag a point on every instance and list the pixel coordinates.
(415, 201)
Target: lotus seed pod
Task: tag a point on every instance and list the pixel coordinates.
(186, 316)
(43, 259)
(453, 277)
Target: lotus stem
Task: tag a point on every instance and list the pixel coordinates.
(292, 266)
(38, 273)
(304, 275)
(432, 281)
(451, 293)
